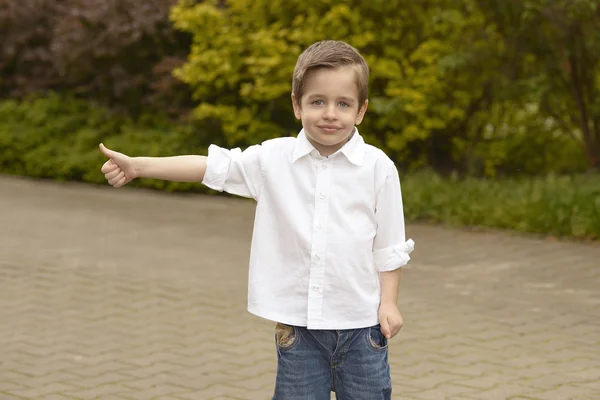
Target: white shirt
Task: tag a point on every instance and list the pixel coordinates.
(324, 228)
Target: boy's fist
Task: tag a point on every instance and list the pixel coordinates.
(119, 169)
(390, 319)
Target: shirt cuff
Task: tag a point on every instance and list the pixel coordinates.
(217, 167)
(393, 257)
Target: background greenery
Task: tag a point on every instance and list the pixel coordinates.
(490, 108)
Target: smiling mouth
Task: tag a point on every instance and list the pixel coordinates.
(329, 129)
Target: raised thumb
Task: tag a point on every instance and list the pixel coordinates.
(107, 152)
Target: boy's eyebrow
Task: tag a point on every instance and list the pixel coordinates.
(343, 98)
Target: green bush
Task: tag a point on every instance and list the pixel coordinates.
(57, 138)
(485, 88)
(558, 206)
(444, 91)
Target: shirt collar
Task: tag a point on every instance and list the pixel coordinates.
(353, 150)
(302, 147)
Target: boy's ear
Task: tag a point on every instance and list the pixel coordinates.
(361, 112)
(296, 106)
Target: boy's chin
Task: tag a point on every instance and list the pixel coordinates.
(330, 143)
(329, 140)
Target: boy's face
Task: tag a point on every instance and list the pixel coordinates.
(329, 108)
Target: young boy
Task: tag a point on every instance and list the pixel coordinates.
(328, 238)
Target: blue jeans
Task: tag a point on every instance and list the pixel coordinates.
(313, 363)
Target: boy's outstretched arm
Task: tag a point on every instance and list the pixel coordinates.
(121, 169)
(390, 318)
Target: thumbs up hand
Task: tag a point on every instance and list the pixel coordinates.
(119, 169)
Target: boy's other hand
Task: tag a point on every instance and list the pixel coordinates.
(119, 169)
(390, 320)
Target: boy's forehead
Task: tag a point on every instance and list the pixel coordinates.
(341, 79)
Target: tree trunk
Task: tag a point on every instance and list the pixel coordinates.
(578, 93)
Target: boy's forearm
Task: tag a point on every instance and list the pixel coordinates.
(390, 283)
(189, 168)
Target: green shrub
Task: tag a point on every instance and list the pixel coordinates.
(567, 206)
(243, 54)
(444, 91)
(57, 138)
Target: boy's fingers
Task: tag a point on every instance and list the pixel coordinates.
(116, 178)
(385, 328)
(108, 166)
(121, 182)
(397, 327)
(112, 174)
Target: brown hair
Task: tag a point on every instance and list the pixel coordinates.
(331, 54)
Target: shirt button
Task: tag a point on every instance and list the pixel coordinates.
(316, 288)
(322, 196)
(320, 226)
(317, 257)
(324, 166)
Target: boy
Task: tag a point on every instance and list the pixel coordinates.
(328, 239)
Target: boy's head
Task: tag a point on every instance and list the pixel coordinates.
(329, 93)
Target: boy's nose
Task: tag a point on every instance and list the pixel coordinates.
(329, 113)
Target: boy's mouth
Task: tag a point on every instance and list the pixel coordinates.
(329, 128)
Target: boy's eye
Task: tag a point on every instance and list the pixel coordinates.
(343, 104)
(318, 102)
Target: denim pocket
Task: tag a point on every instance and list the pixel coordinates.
(286, 336)
(375, 339)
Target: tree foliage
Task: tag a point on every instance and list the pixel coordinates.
(243, 55)
(555, 47)
(119, 52)
(498, 87)
(446, 89)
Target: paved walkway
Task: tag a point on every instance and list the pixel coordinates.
(131, 294)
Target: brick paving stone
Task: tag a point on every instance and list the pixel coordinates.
(8, 386)
(507, 391)
(134, 294)
(42, 390)
(100, 391)
(221, 391)
(167, 398)
(444, 391)
(524, 398)
(568, 391)
(591, 396)
(487, 381)
(593, 386)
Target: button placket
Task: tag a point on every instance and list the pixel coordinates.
(319, 243)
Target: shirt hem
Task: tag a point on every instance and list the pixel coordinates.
(284, 318)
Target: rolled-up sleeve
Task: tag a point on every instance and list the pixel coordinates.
(391, 249)
(234, 171)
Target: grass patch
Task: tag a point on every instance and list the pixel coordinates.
(565, 206)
